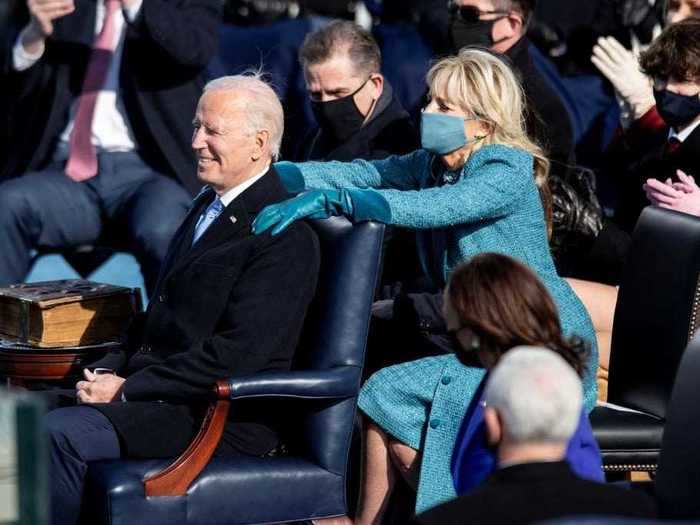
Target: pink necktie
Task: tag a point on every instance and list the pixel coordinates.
(82, 160)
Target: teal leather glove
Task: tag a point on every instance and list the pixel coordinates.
(357, 205)
(291, 176)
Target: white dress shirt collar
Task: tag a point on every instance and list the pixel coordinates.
(228, 197)
(684, 133)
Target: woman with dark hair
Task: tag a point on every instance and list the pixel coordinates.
(419, 411)
(493, 304)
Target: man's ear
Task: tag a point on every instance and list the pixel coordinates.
(377, 81)
(494, 428)
(516, 24)
(262, 142)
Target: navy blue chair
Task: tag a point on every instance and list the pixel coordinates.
(657, 313)
(310, 481)
(677, 483)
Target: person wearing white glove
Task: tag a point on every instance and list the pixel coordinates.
(621, 67)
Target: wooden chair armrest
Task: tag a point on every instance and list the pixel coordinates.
(176, 478)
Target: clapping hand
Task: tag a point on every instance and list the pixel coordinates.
(44, 12)
(683, 196)
(101, 388)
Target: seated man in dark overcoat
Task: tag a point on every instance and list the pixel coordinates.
(227, 303)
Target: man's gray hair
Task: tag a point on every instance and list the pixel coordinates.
(342, 36)
(537, 395)
(263, 107)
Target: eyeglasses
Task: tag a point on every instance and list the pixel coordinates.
(470, 13)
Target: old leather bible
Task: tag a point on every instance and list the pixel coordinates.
(66, 313)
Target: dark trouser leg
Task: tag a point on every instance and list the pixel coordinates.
(147, 205)
(406, 328)
(43, 209)
(155, 213)
(77, 435)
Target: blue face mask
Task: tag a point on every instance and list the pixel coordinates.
(442, 134)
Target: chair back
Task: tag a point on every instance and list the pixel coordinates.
(678, 475)
(657, 310)
(335, 332)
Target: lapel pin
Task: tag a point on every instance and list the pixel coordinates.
(233, 219)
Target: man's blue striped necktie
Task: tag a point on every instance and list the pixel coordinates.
(209, 216)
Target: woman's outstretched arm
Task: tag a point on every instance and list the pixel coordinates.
(395, 172)
(494, 183)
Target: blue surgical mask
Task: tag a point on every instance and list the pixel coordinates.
(442, 134)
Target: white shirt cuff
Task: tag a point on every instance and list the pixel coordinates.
(21, 59)
(132, 12)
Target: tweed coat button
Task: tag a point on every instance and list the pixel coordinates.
(446, 380)
(435, 423)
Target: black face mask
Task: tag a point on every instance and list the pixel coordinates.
(676, 110)
(463, 34)
(339, 118)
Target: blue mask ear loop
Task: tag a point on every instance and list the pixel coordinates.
(476, 138)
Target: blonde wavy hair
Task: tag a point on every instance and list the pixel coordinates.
(485, 87)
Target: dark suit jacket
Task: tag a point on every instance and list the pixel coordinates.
(534, 492)
(638, 159)
(231, 305)
(165, 53)
(547, 119)
(390, 132)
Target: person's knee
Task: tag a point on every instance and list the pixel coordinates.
(82, 433)
(153, 240)
(152, 232)
(14, 203)
(405, 461)
(59, 427)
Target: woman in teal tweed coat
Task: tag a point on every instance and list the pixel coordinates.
(482, 196)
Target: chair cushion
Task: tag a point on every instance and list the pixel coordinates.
(627, 438)
(229, 491)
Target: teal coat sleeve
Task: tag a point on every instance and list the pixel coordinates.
(396, 172)
(491, 185)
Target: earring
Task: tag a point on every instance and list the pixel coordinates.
(474, 343)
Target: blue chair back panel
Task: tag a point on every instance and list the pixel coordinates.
(335, 331)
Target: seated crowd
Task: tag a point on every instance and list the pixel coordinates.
(486, 347)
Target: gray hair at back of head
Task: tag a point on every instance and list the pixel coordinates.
(263, 107)
(537, 395)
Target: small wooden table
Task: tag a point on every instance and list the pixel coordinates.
(22, 364)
